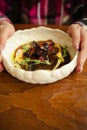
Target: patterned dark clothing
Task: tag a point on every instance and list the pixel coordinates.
(43, 12)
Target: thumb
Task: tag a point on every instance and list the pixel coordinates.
(6, 32)
(74, 32)
(3, 38)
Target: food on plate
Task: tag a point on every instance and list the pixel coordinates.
(39, 55)
(45, 54)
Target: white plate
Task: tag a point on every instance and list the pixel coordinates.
(39, 76)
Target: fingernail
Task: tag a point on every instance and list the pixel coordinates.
(77, 47)
(79, 69)
(1, 47)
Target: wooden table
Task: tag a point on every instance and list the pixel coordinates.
(58, 106)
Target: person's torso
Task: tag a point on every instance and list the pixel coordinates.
(43, 11)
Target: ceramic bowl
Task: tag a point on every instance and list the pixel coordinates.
(39, 76)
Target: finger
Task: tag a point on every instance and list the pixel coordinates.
(1, 67)
(83, 52)
(74, 32)
(1, 64)
(0, 58)
(82, 56)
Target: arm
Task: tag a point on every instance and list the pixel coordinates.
(3, 17)
(83, 22)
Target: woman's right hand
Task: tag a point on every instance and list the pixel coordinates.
(6, 31)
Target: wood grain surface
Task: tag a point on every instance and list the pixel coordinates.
(58, 106)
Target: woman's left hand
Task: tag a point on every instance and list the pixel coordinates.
(79, 41)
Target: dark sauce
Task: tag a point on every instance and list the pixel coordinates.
(43, 51)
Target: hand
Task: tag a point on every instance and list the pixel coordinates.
(79, 41)
(6, 30)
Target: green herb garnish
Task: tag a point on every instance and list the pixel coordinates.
(65, 52)
(25, 47)
(33, 61)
